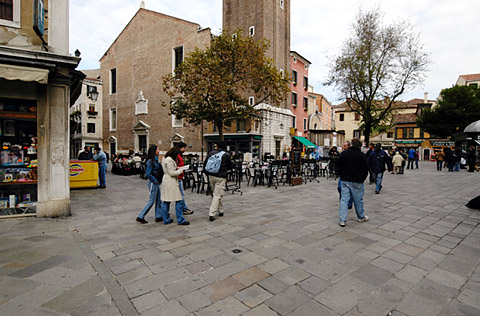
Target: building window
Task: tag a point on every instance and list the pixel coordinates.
(389, 134)
(177, 56)
(282, 73)
(305, 82)
(241, 125)
(305, 67)
(305, 103)
(356, 133)
(113, 119)
(10, 13)
(410, 132)
(357, 116)
(474, 85)
(90, 127)
(91, 107)
(294, 99)
(294, 77)
(251, 31)
(281, 4)
(176, 122)
(399, 133)
(251, 101)
(342, 117)
(113, 81)
(304, 124)
(294, 59)
(294, 121)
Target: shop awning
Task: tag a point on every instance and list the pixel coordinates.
(13, 72)
(305, 142)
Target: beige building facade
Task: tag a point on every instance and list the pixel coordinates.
(149, 47)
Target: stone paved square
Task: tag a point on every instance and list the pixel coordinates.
(418, 255)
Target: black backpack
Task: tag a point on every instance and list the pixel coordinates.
(474, 203)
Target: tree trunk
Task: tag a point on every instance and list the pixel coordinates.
(220, 130)
(368, 130)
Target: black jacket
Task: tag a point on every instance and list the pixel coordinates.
(378, 160)
(224, 167)
(84, 156)
(352, 165)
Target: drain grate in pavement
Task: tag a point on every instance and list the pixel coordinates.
(236, 251)
(301, 261)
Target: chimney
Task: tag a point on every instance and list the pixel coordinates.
(425, 98)
(142, 5)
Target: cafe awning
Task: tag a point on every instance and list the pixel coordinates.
(14, 72)
(305, 142)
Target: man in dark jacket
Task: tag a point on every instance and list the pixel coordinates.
(371, 148)
(353, 170)
(376, 163)
(86, 154)
(218, 180)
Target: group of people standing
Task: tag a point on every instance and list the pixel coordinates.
(452, 159)
(165, 184)
(102, 159)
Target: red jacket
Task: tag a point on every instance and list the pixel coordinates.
(180, 163)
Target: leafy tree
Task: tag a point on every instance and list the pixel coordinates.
(213, 84)
(457, 107)
(377, 62)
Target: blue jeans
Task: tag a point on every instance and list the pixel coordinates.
(178, 212)
(350, 190)
(101, 174)
(378, 180)
(154, 198)
(416, 164)
(457, 166)
(184, 205)
(339, 188)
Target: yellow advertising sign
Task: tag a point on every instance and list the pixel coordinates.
(83, 174)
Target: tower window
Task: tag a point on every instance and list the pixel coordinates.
(113, 81)
(281, 3)
(251, 100)
(251, 31)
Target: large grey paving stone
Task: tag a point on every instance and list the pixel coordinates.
(40, 266)
(148, 301)
(372, 274)
(285, 302)
(168, 308)
(350, 290)
(312, 307)
(80, 294)
(100, 305)
(24, 303)
(228, 306)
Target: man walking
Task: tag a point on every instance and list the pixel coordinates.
(102, 166)
(353, 170)
(376, 163)
(180, 163)
(217, 164)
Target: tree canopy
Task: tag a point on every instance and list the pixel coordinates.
(376, 65)
(214, 84)
(457, 107)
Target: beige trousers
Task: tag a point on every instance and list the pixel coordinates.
(218, 188)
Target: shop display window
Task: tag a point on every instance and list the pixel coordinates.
(18, 156)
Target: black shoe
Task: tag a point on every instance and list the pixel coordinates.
(211, 218)
(187, 212)
(185, 223)
(158, 220)
(141, 220)
(102, 187)
(220, 214)
(377, 192)
(350, 207)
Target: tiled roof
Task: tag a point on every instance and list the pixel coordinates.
(471, 77)
(405, 118)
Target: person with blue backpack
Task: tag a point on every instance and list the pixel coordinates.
(154, 174)
(217, 164)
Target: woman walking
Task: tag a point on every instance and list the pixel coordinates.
(152, 169)
(169, 189)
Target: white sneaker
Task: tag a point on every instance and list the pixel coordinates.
(364, 219)
(342, 224)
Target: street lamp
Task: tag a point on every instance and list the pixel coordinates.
(94, 95)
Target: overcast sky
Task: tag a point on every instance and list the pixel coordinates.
(449, 29)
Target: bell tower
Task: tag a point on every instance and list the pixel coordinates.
(269, 19)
